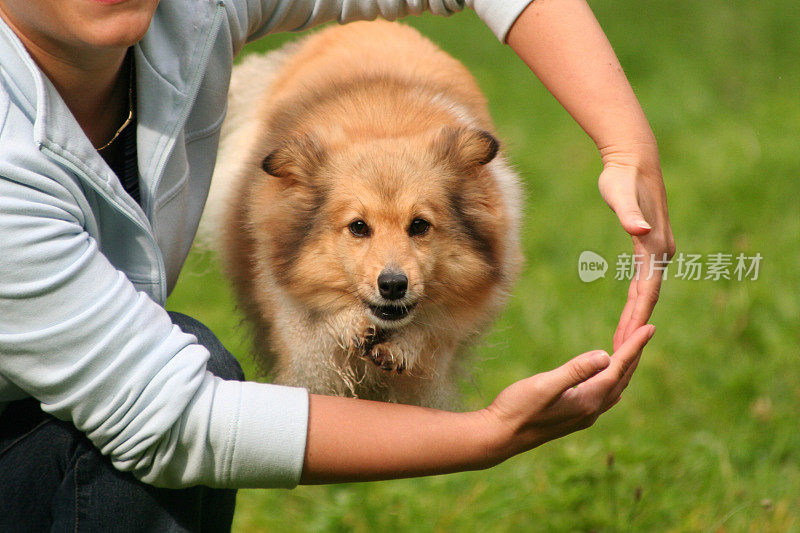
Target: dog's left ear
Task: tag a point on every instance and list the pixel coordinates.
(466, 148)
(296, 159)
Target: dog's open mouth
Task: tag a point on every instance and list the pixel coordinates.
(391, 312)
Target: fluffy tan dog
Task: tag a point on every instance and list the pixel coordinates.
(372, 231)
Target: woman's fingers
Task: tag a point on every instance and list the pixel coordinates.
(573, 372)
(610, 404)
(640, 204)
(625, 316)
(616, 392)
(628, 354)
(585, 403)
(614, 379)
(568, 398)
(648, 287)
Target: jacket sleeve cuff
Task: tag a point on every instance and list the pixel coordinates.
(274, 458)
(500, 15)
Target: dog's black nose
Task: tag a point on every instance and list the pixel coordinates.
(392, 285)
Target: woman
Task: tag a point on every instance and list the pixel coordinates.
(109, 120)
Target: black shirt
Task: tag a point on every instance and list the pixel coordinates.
(121, 154)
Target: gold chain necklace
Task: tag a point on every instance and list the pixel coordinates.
(130, 109)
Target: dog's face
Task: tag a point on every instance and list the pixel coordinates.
(388, 226)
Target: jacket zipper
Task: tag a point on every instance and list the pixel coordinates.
(194, 89)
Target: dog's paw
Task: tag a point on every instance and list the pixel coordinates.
(382, 357)
(363, 342)
(373, 345)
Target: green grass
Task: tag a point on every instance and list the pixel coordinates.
(707, 436)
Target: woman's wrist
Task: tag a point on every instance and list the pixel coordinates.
(641, 155)
(491, 439)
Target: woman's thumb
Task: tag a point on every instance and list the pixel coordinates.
(631, 218)
(579, 369)
(619, 192)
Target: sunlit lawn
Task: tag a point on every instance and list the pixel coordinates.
(707, 437)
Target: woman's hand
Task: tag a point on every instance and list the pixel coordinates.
(555, 403)
(565, 47)
(632, 186)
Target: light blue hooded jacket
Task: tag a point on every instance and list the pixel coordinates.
(85, 271)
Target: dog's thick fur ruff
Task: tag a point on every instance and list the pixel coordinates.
(366, 122)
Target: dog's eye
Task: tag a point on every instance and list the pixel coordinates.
(359, 228)
(418, 226)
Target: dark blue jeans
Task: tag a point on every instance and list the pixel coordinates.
(52, 478)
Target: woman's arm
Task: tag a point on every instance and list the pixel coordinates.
(359, 440)
(252, 19)
(562, 43)
(79, 337)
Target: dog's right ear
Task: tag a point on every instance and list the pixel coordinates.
(465, 148)
(296, 159)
